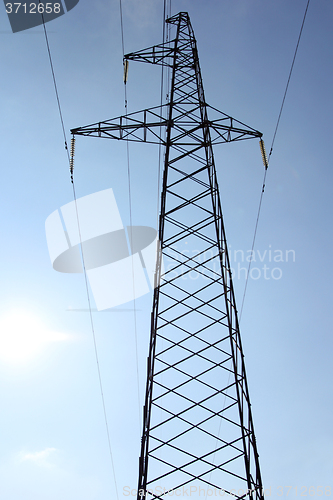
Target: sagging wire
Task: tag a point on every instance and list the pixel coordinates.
(291, 70)
(159, 171)
(71, 168)
(165, 39)
(164, 77)
(125, 77)
(266, 160)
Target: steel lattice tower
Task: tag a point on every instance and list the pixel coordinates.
(197, 425)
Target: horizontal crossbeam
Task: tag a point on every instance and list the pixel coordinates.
(148, 126)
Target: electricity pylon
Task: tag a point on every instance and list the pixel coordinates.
(198, 430)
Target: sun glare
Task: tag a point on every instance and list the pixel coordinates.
(23, 336)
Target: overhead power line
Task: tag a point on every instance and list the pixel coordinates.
(269, 156)
(125, 63)
(71, 165)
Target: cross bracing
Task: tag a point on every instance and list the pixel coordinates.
(198, 430)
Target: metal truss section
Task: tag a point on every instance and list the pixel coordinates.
(158, 54)
(198, 431)
(145, 126)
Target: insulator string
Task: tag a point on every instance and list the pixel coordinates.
(71, 161)
(263, 154)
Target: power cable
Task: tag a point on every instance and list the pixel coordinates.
(270, 154)
(291, 70)
(161, 111)
(55, 85)
(130, 213)
(165, 39)
(70, 160)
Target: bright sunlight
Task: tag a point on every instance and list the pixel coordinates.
(23, 336)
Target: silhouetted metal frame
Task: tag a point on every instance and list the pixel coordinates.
(186, 133)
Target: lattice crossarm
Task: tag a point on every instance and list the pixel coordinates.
(157, 54)
(143, 126)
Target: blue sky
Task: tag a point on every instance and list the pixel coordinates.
(52, 426)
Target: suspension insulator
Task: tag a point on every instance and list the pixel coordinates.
(125, 70)
(263, 154)
(71, 161)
